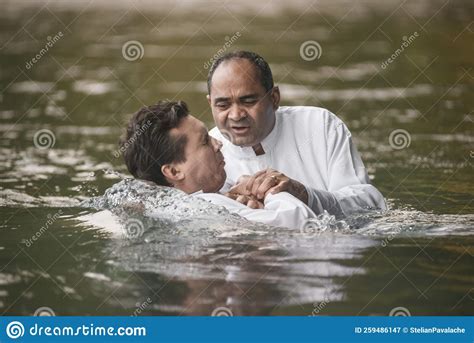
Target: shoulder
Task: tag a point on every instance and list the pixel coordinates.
(308, 116)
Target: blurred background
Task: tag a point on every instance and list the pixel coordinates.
(399, 73)
(107, 59)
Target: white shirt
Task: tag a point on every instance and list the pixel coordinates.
(281, 209)
(313, 146)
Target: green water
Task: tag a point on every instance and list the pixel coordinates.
(82, 89)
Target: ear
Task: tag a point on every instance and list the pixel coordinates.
(275, 97)
(172, 173)
(208, 97)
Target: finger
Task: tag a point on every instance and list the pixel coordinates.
(231, 195)
(238, 188)
(281, 187)
(242, 179)
(242, 199)
(256, 184)
(250, 181)
(269, 182)
(253, 204)
(272, 171)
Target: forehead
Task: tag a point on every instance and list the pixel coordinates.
(189, 126)
(236, 75)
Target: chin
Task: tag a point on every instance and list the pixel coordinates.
(247, 141)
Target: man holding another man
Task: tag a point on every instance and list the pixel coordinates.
(287, 164)
(305, 151)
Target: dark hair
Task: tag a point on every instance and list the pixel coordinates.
(263, 69)
(147, 144)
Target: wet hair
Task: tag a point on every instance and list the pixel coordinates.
(263, 69)
(147, 144)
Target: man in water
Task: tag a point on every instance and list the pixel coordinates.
(164, 144)
(306, 151)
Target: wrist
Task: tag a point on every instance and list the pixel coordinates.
(300, 192)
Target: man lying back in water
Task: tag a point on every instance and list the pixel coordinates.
(164, 144)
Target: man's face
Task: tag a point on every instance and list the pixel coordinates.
(242, 109)
(204, 165)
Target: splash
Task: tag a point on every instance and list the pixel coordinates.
(153, 201)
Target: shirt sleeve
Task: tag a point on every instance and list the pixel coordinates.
(349, 190)
(280, 209)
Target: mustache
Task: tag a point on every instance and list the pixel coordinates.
(241, 123)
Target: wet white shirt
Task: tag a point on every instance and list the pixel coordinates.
(281, 209)
(314, 147)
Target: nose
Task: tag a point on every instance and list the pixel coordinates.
(217, 144)
(237, 113)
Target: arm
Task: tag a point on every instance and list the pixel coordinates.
(349, 189)
(280, 209)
